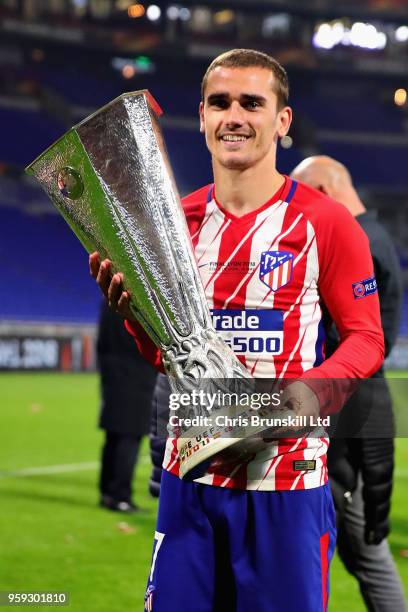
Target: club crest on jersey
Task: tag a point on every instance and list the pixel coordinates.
(276, 269)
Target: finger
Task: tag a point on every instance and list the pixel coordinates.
(104, 277)
(124, 305)
(94, 263)
(115, 291)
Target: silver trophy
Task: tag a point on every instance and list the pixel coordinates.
(111, 179)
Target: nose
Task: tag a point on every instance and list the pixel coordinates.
(235, 114)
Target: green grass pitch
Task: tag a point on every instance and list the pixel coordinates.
(53, 536)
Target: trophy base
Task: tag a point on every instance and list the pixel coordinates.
(199, 449)
(196, 463)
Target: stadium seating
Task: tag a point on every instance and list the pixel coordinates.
(45, 274)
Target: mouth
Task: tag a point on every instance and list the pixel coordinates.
(234, 138)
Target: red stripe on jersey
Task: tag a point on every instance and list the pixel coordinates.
(324, 559)
(285, 298)
(194, 206)
(229, 474)
(294, 231)
(275, 240)
(280, 274)
(238, 478)
(296, 358)
(291, 449)
(227, 279)
(239, 234)
(173, 465)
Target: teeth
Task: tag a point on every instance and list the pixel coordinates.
(234, 138)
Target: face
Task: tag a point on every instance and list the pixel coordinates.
(239, 117)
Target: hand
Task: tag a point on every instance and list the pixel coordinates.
(111, 285)
(375, 534)
(300, 398)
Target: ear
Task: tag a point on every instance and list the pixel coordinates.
(201, 114)
(284, 121)
(323, 189)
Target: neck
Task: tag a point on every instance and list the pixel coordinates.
(242, 191)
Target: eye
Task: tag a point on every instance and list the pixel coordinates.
(219, 103)
(251, 105)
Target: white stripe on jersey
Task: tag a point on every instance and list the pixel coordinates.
(313, 451)
(274, 281)
(268, 480)
(207, 479)
(248, 235)
(207, 217)
(209, 242)
(264, 368)
(268, 303)
(306, 305)
(273, 224)
(310, 311)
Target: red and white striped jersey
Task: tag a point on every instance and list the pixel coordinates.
(270, 273)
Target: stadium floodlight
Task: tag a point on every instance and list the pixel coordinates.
(184, 13)
(153, 12)
(363, 35)
(400, 97)
(136, 10)
(276, 24)
(322, 37)
(381, 40)
(173, 12)
(223, 17)
(201, 20)
(401, 34)
(128, 71)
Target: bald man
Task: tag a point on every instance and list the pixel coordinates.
(361, 469)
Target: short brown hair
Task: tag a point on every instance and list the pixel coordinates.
(248, 58)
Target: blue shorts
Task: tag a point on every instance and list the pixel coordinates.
(226, 550)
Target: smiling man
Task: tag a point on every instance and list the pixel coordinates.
(256, 531)
(243, 113)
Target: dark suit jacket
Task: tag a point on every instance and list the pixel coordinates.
(127, 380)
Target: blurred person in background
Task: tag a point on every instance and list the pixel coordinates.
(127, 383)
(361, 468)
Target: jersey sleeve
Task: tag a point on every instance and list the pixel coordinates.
(146, 346)
(348, 289)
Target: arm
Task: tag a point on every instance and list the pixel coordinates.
(388, 275)
(345, 259)
(119, 301)
(147, 348)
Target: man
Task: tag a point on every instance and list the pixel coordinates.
(361, 468)
(127, 384)
(258, 533)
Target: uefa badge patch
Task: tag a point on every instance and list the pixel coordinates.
(364, 288)
(276, 269)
